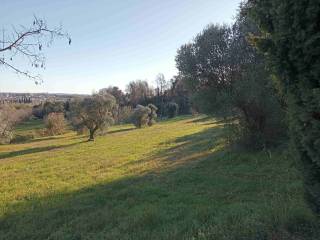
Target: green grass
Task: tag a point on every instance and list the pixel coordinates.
(29, 126)
(175, 180)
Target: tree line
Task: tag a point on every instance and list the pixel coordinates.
(262, 76)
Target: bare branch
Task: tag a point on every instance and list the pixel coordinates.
(37, 78)
(29, 42)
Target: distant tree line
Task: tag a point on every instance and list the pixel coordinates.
(140, 104)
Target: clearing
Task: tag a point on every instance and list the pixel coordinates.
(174, 180)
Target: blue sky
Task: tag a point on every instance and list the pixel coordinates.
(113, 42)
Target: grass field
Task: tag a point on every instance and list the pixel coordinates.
(175, 180)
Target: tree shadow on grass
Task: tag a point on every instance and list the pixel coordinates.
(121, 130)
(201, 119)
(46, 138)
(208, 120)
(35, 150)
(133, 203)
(173, 201)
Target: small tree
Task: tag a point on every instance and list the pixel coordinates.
(140, 116)
(172, 109)
(95, 112)
(9, 117)
(55, 123)
(6, 123)
(152, 115)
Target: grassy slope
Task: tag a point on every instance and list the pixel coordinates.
(175, 180)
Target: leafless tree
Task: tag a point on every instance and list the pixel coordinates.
(29, 42)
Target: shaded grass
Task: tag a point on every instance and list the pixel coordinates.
(30, 125)
(175, 180)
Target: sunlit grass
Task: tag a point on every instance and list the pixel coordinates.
(175, 180)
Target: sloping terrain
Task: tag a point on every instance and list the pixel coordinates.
(175, 180)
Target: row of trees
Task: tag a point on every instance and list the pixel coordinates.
(262, 75)
(91, 114)
(165, 93)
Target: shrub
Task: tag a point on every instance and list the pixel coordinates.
(172, 109)
(152, 114)
(55, 123)
(140, 116)
(9, 117)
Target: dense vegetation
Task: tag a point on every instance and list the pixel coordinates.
(228, 77)
(291, 38)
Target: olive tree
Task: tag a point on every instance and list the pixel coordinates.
(152, 114)
(140, 116)
(228, 77)
(94, 112)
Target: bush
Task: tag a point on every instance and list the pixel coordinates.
(55, 123)
(152, 115)
(10, 117)
(140, 116)
(172, 109)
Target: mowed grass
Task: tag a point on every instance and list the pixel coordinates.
(175, 180)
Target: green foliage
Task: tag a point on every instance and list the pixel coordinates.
(172, 109)
(140, 116)
(290, 39)
(95, 113)
(228, 77)
(50, 107)
(144, 115)
(152, 114)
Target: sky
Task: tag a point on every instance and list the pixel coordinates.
(113, 41)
